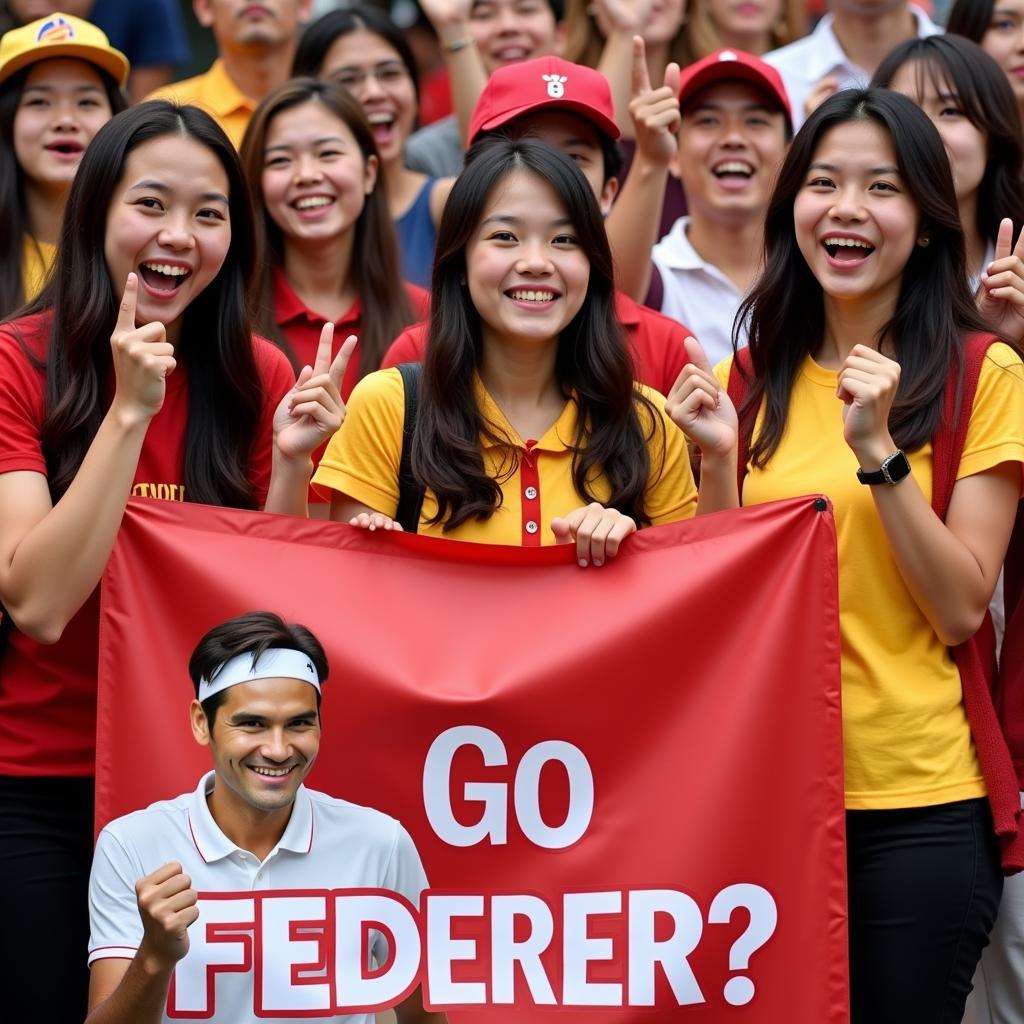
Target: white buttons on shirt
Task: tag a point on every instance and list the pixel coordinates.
(531, 527)
(531, 493)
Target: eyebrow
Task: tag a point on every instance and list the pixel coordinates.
(505, 218)
(159, 186)
(255, 716)
(43, 87)
(819, 165)
(711, 105)
(316, 142)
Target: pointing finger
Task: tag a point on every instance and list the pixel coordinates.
(340, 364)
(126, 311)
(641, 81)
(1004, 239)
(696, 354)
(323, 350)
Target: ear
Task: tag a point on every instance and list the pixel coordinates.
(305, 11)
(370, 174)
(200, 726)
(203, 12)
(607, 197)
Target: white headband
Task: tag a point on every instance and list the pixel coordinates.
(273, 663)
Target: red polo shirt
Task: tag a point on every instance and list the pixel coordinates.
(656, 342)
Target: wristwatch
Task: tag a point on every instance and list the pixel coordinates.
(893, 469)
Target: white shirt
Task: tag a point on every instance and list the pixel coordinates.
(328, 844)
(806, 62)
(696, 293)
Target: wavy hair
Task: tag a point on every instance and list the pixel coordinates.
(225, 395)
(592, 364)
(954, 64)
(785, 311)
(14, 225)
(375, 269)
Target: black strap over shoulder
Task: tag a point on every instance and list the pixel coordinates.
(410, 494)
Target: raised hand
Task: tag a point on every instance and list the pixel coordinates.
(142, 358)
(1000, 296)
(442, 13)
(654, 112)
(701, 407)
(622, 15)
(828, 86)
(167, 906)
(867, 387)
(596, 531)
(313, 410)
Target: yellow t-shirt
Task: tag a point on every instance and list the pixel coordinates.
(906, 740)
(363, 457)
(36, 259)
(217, 94)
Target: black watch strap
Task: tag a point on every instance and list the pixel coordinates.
(894, 468)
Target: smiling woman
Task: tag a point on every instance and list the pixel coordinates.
(59, 84)
(135, 371)
(859, 324)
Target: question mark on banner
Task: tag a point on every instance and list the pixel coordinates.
(764, 916)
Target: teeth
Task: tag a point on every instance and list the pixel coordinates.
(165, 268)
(312, 202)
(853, 243)
(272, 772)
(532, 296)
(380, 118)
(734, 167)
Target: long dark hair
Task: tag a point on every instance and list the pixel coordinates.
(225, 395)
(952, 62)
(592, 364)
(970, 18)
(785, 311)
(375, 266)
(14, 225)
(320, 35)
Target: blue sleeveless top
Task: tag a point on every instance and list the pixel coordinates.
(417, 237)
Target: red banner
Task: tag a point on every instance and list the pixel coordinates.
(625, 783)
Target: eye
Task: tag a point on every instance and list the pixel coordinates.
(36, 101)
(347, 81)
(89, 101)
(566, 239)
(393, 74)
(150, 203)
(277, 161)
(502, 236)
(210, 213)
(329, 154)
(820, 182)
(884, 186)
(948, 113)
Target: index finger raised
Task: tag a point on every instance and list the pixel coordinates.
(340, 364)
(126, 311)
(640, 80)
(322, 361)
(1004, 238)
(696, 354)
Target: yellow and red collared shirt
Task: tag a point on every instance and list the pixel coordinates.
(535, 476)
(218, 95)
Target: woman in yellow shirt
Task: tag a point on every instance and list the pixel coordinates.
(529, 428)
(855, 326)
(60, 82)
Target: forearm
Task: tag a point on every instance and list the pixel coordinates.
(632, 226)
(466, 74)
(616, 64)
(718, 486)
(140, 997)
(943, 576)
(288, 493)
(58, 562)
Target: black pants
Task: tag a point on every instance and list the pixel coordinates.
(924, 889)
(45, 854)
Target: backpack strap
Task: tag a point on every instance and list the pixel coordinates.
(410, 493)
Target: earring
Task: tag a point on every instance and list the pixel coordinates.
(924, 241)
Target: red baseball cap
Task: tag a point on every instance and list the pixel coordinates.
(731, 66)
(547, 83)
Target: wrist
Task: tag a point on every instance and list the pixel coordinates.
(454, 35)
(129, 419)
(154, 964)
(718, 464)
(292, 466)
(872, 452)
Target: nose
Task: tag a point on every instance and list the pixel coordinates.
(64, 117)
(176, 233)
(507, 20)
(275, 746)
(370, 88)
(534, 258)
(307, 169)
(847, 204)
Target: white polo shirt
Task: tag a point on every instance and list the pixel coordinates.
(696, 293)
(806, 62)
(264, 960)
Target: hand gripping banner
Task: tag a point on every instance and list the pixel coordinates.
(625, 783)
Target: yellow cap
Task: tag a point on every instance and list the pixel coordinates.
(60, 35)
